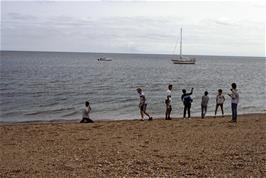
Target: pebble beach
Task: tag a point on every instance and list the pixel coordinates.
(211, 147)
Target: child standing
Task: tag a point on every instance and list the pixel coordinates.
(142, 105)
(219, 102)
(204, 104)
(187, 100)
(85, 114)
(168, 103)
(234, 101)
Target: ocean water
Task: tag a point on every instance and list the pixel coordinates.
(54, 86)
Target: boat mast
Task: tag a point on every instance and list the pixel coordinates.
(181, 43)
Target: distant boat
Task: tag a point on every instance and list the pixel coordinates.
(180, 59)
(104, 59)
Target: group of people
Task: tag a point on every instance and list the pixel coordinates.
(187, 101)
(220, 101)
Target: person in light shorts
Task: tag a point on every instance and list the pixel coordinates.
(168, 102)
(142, 104)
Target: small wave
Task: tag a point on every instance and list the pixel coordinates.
(35, 113)
(12, 113)
(37, 95)
(41, 121)
(48, 111)
(248, 107)
(55, 81)
(59, 94)
(64, 93)
(4, 89)
(62, 99)
(50, 104)
(62, 109)
(70, 114)
(4, 102)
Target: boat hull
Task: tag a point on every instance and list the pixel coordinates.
(180, 61)
(104, 59)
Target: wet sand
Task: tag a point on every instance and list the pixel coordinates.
(190, 148)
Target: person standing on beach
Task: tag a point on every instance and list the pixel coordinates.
(187, 100)
(142, 105)
(204, 104)
(234, 101)
(168, 103)
(219, 102)
(85, 114)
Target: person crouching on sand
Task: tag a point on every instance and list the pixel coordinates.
(234, 101)
(168, 103)
(219, 102)
(187, 100)
(85, 114)
(142, 104)
(204, 104)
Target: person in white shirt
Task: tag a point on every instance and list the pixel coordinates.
(85, 114)
(219, 102)
(142, 104)
(234, 101)
(168, 103)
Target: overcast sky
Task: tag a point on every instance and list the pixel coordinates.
(209, 28)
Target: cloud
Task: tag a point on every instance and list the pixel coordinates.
(19, 16)
(128, 33)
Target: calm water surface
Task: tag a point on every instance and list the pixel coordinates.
(48, 86)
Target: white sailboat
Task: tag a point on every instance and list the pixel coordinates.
(181, 59)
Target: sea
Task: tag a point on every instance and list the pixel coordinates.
(45, 86)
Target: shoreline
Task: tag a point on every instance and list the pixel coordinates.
(65, 121)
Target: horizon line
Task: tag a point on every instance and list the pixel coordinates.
(127, 53)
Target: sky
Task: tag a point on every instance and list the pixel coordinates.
(233, 28)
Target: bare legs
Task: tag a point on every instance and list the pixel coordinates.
(168, 112)
(216, 108)
(143, 112)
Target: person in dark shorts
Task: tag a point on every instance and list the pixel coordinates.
(220, 102)
(142, 104)
(204, 104)
(234, 101)
(187, 100)
(168, 102)
(85, 114)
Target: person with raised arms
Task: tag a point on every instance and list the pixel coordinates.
(187, 100)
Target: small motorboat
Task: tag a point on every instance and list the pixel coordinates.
(104, 59)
